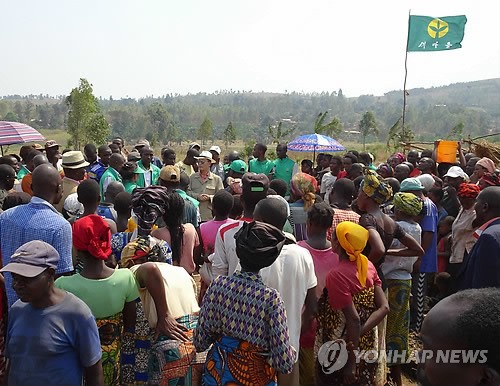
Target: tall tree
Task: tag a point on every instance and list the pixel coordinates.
(333, 128)
(206, 130)
(86, 123)
(367, 126)
(229, 134)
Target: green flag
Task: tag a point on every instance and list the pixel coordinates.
(427, 33)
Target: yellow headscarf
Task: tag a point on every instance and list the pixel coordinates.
(353, 238)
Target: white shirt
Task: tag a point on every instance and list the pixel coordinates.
(462, 232)
(180, 293)
(397, 267)
(292, 274)
(224, 259)
(326, 185)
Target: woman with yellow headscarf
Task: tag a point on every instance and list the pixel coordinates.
(352, 305)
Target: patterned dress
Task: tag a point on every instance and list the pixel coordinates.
(246, 322)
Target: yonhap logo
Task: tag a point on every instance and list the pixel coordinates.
(333, 355)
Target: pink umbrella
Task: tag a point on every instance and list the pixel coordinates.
(15, 132)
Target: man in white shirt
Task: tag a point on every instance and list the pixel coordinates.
(292, 274)
(330, 177)
(224, 260)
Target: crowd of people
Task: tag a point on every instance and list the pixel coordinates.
(124, 268)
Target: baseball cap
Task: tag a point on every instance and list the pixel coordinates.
(194, 144)
(255, 183)
(133, 156)
(411, 184)
(207, 155)
(131, 166)
(170, 173)
(455, 172)
(51, 143)
(215, 148)
(32, 258)
(238, 166)
(37, 146)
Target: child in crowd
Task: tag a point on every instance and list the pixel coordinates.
(222, 203)
(319, 221)
(444, 242)
(444, 286)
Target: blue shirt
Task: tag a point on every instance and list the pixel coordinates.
(38, 220)
(96, 170)
(53, 345)
(429, 224)
(481, 268)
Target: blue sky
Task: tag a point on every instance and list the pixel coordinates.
(154, 47)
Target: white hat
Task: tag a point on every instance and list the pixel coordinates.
(455, 172)
(74, 160)
(206, 155)
(215, 148)
(194, 144)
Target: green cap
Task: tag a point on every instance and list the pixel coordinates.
(238, 166)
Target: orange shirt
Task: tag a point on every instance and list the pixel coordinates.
(26, 184)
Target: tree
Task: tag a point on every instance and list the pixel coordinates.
(206, 130)
(86, 123)
(367, 126)
(11, 117)
(278, 134)
(229, 134)
(162, 121)
(332, 129)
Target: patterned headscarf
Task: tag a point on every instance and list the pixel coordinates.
(487, 163)
(258, 244)
(468, 191)
(93, 235)
(400, 156)
(490, 179)
(408, 203)
(149, 204)
(304, 186)
(353, 238)
(386, 169)
(148, 248)
(375, 187)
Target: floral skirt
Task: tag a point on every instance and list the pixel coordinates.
(232, 361)
(172, 362)
(398, 319)
(332, 326)
(110, 332)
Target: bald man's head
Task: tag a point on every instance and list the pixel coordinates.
(40, 159)
(116, 161)
(114, 187)
(46, 183)
(272, 210)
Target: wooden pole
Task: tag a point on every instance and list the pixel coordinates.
(406, 75)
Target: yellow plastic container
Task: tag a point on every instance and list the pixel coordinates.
(447, 152)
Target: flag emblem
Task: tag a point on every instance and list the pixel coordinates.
(437, 28)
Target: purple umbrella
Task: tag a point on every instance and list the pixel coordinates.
(15, 132)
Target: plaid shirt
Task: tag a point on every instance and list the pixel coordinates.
(340, 215)
(38, 220)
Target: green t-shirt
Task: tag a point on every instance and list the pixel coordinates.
(104, 297)
(256, 166)
(22, 172)
(284, 170)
